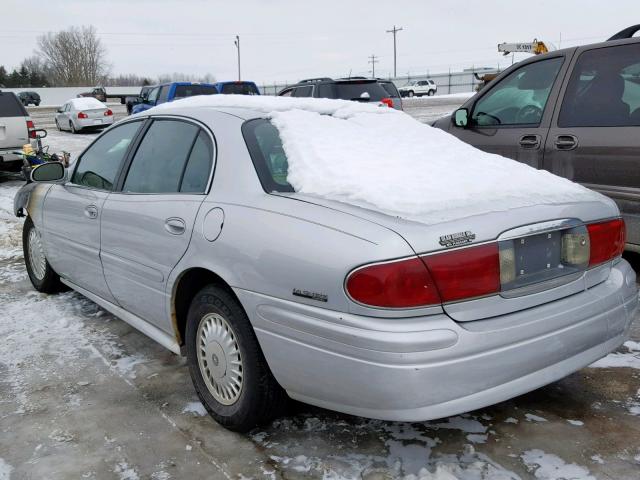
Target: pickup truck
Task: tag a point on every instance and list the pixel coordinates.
(100, 93)
(167, 92)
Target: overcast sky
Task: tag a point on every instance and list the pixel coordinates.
(289, 40)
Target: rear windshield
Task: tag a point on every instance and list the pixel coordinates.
(183, 91)
(358, 91)
(240, 88)
(10, 106)
(391, 89)
(267, 154)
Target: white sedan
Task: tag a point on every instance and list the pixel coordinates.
(83, 114)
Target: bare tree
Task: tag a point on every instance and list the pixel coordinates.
(74, 57)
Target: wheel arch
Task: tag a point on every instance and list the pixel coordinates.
(185, 288)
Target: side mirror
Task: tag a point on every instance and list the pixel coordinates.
(461, 117)
(50, 172)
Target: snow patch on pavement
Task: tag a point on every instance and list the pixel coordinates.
(125, 472)
(551, 467)
(5, 470)
(195, 408)
(530, 417)
(629, 359)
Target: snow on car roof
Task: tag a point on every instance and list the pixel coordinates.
(87, 103)
(377, 157)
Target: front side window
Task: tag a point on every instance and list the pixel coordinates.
(153, 95)
(164, 94)
(158, 163)
(520, 98)
(267, 154)
(99, 165)
(604, 89)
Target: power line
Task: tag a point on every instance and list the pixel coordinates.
(373, 61)
(394, 30)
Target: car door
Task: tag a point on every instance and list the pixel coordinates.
(72, 211)
(512, 117)
(595, 134)
(147, 223)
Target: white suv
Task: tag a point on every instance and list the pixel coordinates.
(419, 88)
(16, 129)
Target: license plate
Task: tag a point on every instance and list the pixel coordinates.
(97, 122)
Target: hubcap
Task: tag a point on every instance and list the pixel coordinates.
(37, 260)
(219, 359)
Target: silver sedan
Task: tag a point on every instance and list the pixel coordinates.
(182, 223)
(83, 114)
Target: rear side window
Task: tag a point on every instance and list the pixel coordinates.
(10, 106)
(267, 154)
(391, 89)
(198, 168)
(240, 88)
(604, 89)
(99, 165)
(158, 163)
(184, 91)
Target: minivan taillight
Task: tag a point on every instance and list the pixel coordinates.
(388, 102)
(82, 115)
(607, 240)
(397, 284)
(466, 272)
(31, 128)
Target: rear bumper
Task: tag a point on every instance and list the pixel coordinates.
(422, 368)
(6, 155)
(90, 122)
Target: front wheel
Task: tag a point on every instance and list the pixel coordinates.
(42, 276)
(228, 369)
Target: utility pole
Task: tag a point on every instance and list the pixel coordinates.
(237, 44)
(394, 31)
(373, 61)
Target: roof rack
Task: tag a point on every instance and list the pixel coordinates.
(314, 80)
(626, 33)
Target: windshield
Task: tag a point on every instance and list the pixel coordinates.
(267, 154)
(240, 88)
(183, 91)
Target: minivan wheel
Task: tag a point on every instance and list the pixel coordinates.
(42, 276)
(227, 367)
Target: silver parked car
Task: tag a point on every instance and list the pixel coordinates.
(182, 222)
(83, 114)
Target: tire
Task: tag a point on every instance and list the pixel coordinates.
(58, 125)
(215, 315)
(410, 94)
(72, 127)
(42, 276)
(430, 93)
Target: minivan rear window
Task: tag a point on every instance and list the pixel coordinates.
(240, 88)
(357, 91)
(10, 106)
(183, 91)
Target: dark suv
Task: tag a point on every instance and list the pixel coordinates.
(28, 98)
(358, 89)
(574, 112)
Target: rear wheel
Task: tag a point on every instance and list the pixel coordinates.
(228, 369)
(42, 276)
(58, 125)
(430, 93)
(72, 127)
(410, 93)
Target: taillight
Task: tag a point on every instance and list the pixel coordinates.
(82, 115)
(388, 102)
(108, 113)
(465, 273)
(31, 128)
(399, 284)
(607, 240)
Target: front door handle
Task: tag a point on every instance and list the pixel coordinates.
(175, 226)
(566, 142)
(91, 211)
(531, 142)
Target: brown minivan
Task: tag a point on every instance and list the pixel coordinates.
(574, 112)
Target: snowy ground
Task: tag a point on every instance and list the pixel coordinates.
(83, 395)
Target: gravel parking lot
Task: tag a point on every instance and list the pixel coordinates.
(83, 395)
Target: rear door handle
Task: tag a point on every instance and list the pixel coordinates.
(531, 142)
(566, 142)
(175, 226)
(91, 211)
